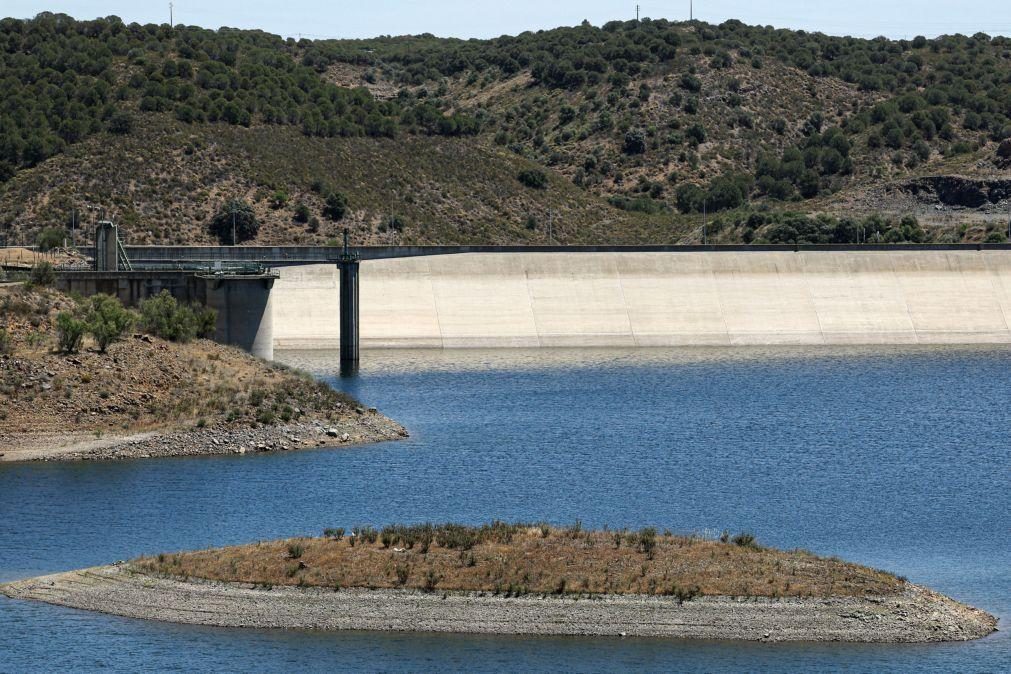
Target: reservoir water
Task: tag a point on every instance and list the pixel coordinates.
(898, 458)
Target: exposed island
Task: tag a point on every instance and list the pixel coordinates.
(147, 396)
(520, 579)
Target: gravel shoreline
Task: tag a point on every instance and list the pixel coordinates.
(367, 426)
(916, 615)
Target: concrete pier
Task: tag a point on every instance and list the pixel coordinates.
(349, 311)
(245, 311)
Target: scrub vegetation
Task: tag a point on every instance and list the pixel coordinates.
(622, 133)
(73, 365)
(520, 559)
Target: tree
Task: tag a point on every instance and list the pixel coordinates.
(51, 237)
(162, 315)
(689, 197)
(42, 274)
(533, 178)
(335, 206)
(69, 332)
(234, 222)
(302, 213)
(107, 320)
(121, 123)
(635, 142)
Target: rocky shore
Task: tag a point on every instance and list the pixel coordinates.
(368, 427)
(914, 615)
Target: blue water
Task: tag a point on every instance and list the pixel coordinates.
(897, 458)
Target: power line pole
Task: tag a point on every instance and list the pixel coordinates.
(705, 235)
(691, 10)
(637, 13)
(171, 18)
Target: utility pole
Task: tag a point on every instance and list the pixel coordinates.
(73, 227)
(551, 233)
(233, 222)
(691, 10)
(705, 235)
(637, 13)
(171, 18)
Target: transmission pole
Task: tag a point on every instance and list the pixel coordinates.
(637, 13)
(171, 18)
(691, 10)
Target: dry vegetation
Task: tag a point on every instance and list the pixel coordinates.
(519, 559)
(141, 383)
(163, 182)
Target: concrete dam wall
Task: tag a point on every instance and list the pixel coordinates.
(656, 299)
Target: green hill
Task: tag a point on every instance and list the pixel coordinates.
(620, 134)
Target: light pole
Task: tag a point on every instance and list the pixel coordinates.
(231, 209)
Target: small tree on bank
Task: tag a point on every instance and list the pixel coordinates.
(107, 320)
(162, 315)
(69, 332)
(234, 223)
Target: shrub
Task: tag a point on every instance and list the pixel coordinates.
(336, 534)
(745, 540)
(6, 347)
(295, 550)
(533, 178)
(69, 332)
(206, 320)
(162, 315)
(107, 320)
(635, 143)
(335, 206)
(302, 213)
(682, 594)
(121, 122)
(51, 237)
(234, 223)
(278, 199)
(42, 274)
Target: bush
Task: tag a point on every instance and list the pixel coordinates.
(745, 540)
(162, 315)
(295, 550)
(51, 237)
(107, 320)
(279, 199)
(635, 143)
(69, 332)
(533, 178)
(42, 274)
(336, 534)
(6, 347)
(234, 223)
(302, 213)
(121, 123)
(335, 206)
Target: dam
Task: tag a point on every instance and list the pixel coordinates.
(653, 299)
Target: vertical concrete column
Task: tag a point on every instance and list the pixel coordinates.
(245, 313)
(349, 315)
(106, 247)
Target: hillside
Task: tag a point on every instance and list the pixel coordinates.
(623, 133)
(146, 396)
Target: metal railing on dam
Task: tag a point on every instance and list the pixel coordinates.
(282, 256)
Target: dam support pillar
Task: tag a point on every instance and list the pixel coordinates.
(348, 263)
(245, 316)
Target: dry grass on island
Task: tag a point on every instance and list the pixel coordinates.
(147, 396)
(520, 579)
(521, 559)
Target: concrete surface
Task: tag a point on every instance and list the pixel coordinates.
(656, 299)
